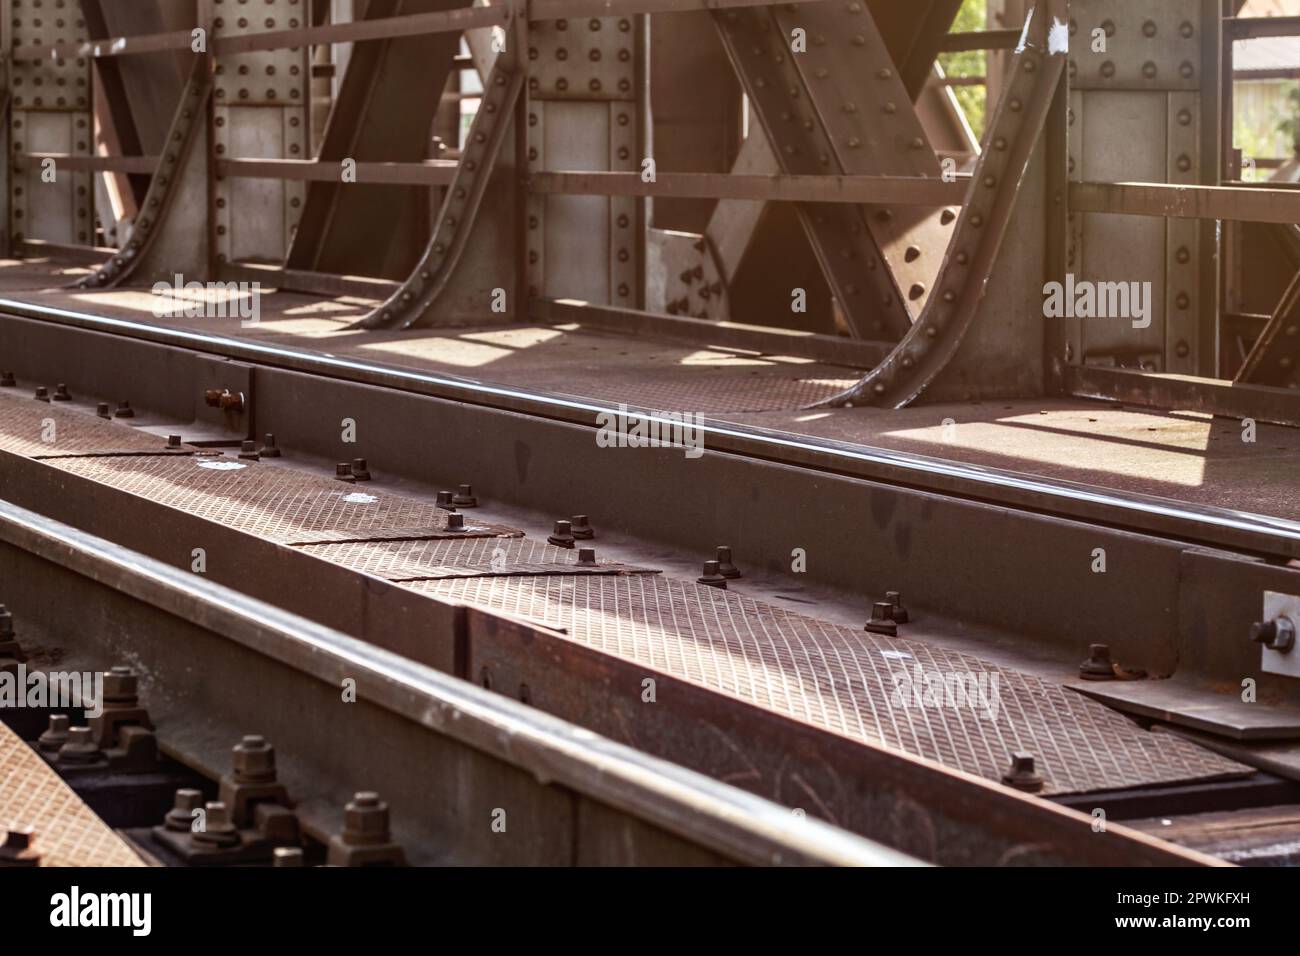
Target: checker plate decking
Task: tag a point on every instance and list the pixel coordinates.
(845, 680)
(68, 833)
(25, 427)
(272, 502)
(475, 557)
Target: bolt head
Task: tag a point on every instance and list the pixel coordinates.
(254, 760)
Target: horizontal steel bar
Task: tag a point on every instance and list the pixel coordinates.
(831, 349)
(735, 824)
(979, 40)
(431, 172)
(1281, 406)
(111, 46)
(891, 190)
(1236, 203)
(1248, 28)
(1259, 534)
(385, 28)
(97, 164)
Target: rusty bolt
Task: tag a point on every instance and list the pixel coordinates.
(101, 409)
(174, 442)
(287, 856)
(1023, 775)
(444, 501)
(17, 848)
(464, 497)
(581, 528)
(365, 820)
(181, 816)
(6, 624)
(121, 685)
(269, 449)
(343, 472)
(7, 380)
(124, 410)
(587, 557)
(217, 830)
(61, 393)
(213, 397)
(725, 565)
(712, 577)
(1277, 634)
(248, 450)
(254, 760)
(1098, 666)
(898, 613)
(42, 394)
(55, 736)
(360, 469)
(882, 619)
(562, 535)
(80, 748)
(232, 401)
(455, 521)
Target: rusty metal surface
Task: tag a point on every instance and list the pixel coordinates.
(285, 506)
(25, 425)
(854, 684)
(718, 390)
(477, 557)
(67, 832)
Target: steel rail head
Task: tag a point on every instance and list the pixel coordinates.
(410, 304)
(164, 184)
(933, 340)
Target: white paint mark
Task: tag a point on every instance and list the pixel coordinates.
(222, 465)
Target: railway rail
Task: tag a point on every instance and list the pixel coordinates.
(733, 697)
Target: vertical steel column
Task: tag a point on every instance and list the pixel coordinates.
(582, 114)
(260, 110)
(1137, 114)
(51, 111)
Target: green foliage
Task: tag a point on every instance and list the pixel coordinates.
(971, 17)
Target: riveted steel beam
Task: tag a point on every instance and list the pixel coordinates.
(260, 109)
(456, 219)
(179, 181)
(50, 109)
(385, 105)
(933, 340)
(761, 50)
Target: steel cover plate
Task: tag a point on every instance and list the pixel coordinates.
(68, 833)
(25, 425)
(849, 682)
(280, 504)
(476, 557)
(719, 390)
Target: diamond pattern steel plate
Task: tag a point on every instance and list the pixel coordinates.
(273, 502)
(476, 557)
(68, 833)
(49, 430)
(718, 390)
(863, 686)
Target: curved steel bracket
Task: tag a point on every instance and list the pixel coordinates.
(934, 338)
(164, 184)
(405, 307)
